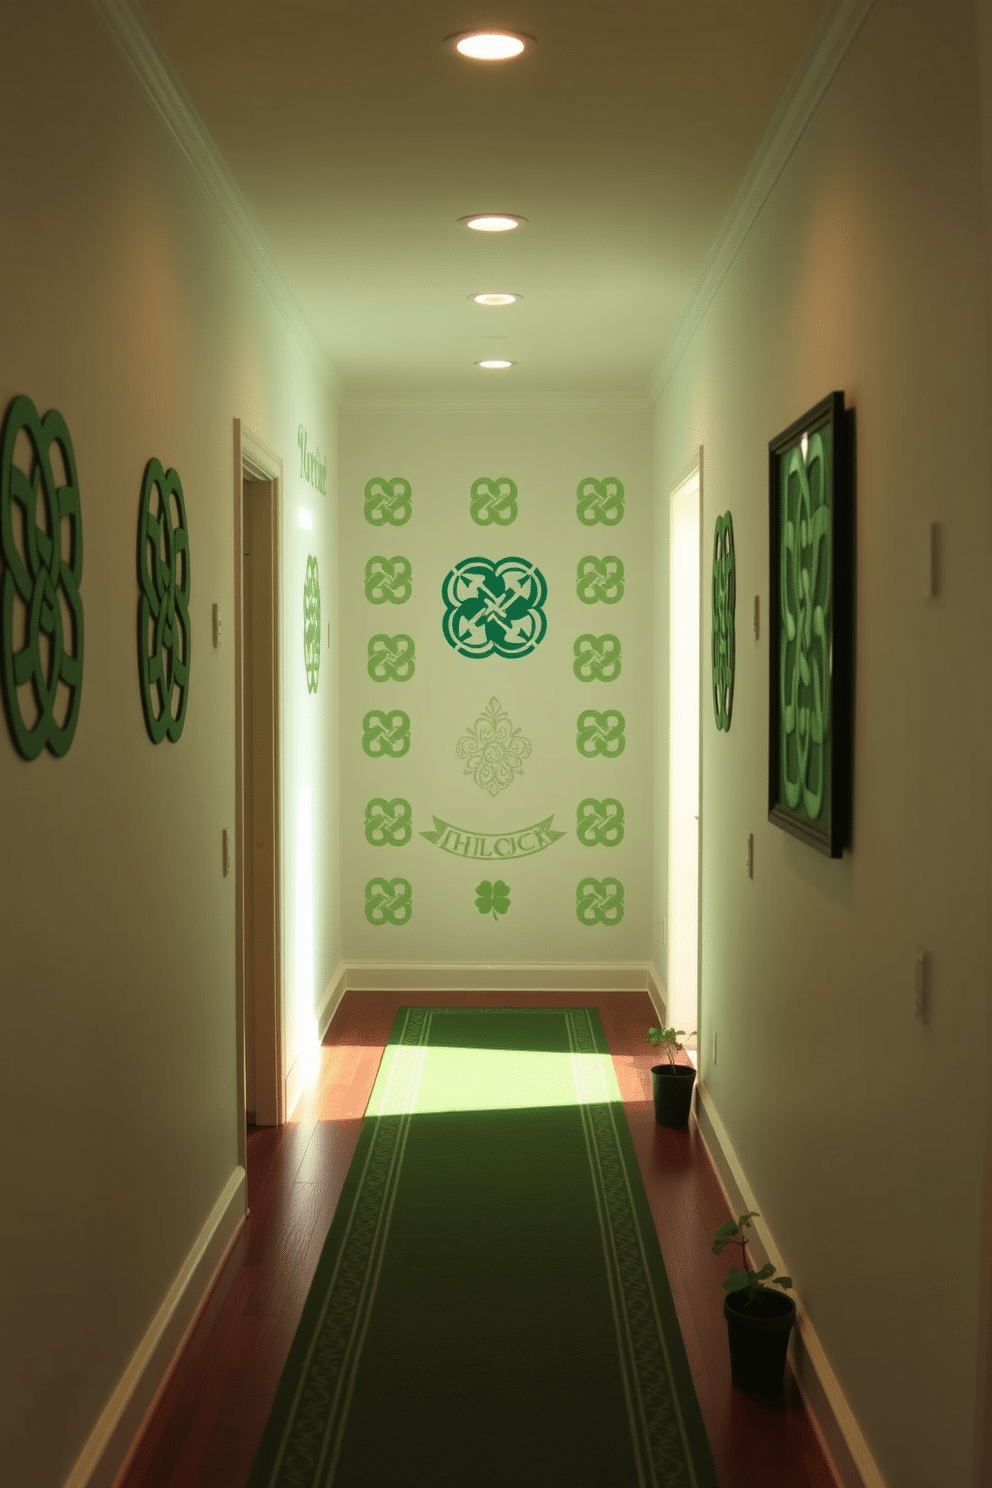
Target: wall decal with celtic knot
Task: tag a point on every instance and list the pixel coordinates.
(600, 734)
(494, 607)
(386, 735)
(388, 901)
(599, 823)
(599, 579)
(599, 501)
(392, 658)
(810, 616)
(388, 823)
(597, 658)
(599, 901)
(723, 606)
(388, 501)
(493, 500)
(311, 624)
(388, 580)
(41, 608)
(494, 751)
(164, 634)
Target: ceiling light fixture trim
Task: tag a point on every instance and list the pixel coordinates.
(489, 46)
(495, 364)
(492, 222)
(495, 297)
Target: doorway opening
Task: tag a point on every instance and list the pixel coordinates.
(258, 840)
(683, 754)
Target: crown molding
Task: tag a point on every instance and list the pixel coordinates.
(833, 38)
(496, 402)
(144, 55)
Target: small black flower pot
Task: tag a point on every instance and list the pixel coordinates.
(759, 1339)
(672, 1085)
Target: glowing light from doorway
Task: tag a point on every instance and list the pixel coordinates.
(305, 519)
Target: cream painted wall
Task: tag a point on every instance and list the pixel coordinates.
(860, 1131)
(128, 307)
(546, 448)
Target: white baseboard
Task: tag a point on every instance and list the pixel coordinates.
(841, 1437)
(657, 993)
(471, 976)
(333, 993)
(120, 1425)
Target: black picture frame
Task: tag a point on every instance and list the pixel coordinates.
(811, 626)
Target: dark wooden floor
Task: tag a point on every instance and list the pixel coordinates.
(204, 1431)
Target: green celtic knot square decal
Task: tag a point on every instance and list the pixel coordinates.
(164, 635)
(494, 607)
(388, 901)
(724, 602)
(391, 658)
(599, 901)
(599, 823)
(386, 735)
(600, 734)
(388, 501)
(493, 501)
(388, 580)
(388, 823)
(600, 580)
(599, 501)
(41, 608)
(597, 658)
(311, 624)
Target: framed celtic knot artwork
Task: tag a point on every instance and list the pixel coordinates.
(723, 650)
(811, 502)
(311, 624)
(41, 560)
(164, 636)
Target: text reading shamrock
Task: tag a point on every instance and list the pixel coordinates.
(388, 501)
(599, 823)
(392, 658)
(388, 823)
(599, 579)
(597, 658)
(600, 734)
(599, 901)
(492, 898)
(493, 501)
(599, 501)
(386, 735)
(388, 901)
(388, 580)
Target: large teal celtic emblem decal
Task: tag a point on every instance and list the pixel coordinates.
(493, 501)
(597, 658)
(164, 636)
(388, 501)
(724, 602)
(599, 579)
(41, 609)
(386, 735)
(805, 585)
(599, 901)
(388, 580)
(599, 501)
(494, 607)
(388, 901)
(388, 823)
(311, 624)
(392, 658)
(600, 734)
(599, 823)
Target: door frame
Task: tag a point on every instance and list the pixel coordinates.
(254, 461)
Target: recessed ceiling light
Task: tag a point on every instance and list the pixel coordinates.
(489, 46)
(495, 299)
(495, 364)
(492, 221)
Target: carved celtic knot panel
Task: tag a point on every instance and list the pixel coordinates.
(494, 607)
(164, 634)
(41, 609)
(311, 624)
(723, 648)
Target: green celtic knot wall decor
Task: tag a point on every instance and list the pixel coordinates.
(388, 901)
(492, 898)
(41, 608)
(388, 823)
(494, 607)
(388, 501)
(386, 735)
(493, 501)
(600, 734)
(311, 624)
(494, 751)
(599, 901)
(597, 658)
(599, 823)
(723, 649)
(392, 658)
(599, 501)
(810, 615)
(388, 580)
(599, 580)
(164, 635)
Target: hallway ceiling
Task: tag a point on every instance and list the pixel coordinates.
(358, 141)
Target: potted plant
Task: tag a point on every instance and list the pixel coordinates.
(759, 1319)
(671, 1083)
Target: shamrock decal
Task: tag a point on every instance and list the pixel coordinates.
(492, 898)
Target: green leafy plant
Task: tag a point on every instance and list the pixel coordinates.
(668, 1038)
(492, 898)
(737, 1280)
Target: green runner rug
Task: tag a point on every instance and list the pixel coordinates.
(490, 1306)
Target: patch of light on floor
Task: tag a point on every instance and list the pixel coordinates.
(418, 1080)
